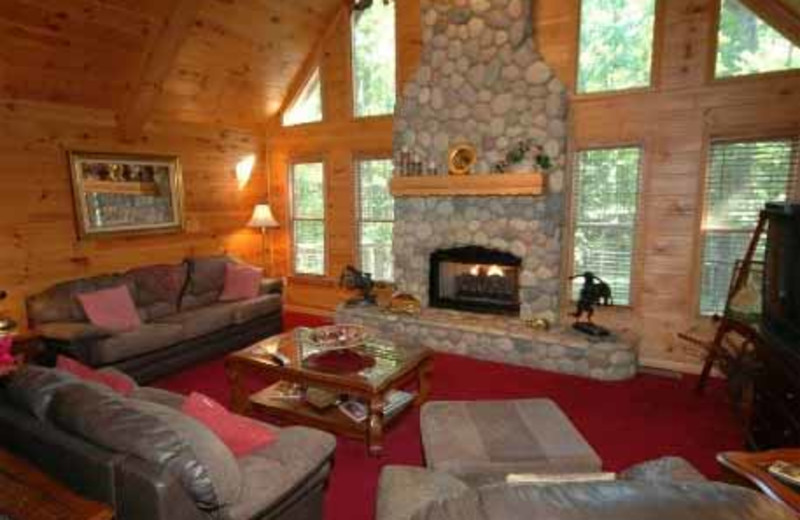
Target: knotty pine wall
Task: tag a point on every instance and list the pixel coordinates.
(673, 120)
(38, 240)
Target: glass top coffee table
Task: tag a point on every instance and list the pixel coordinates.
(365, 375)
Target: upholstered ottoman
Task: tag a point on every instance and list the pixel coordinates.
(486, 440)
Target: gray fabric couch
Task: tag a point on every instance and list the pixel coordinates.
(664, 489)
(183, 320)
(149, 461)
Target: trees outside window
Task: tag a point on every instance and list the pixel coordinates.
(374, 60)
(616, 44)
(376, 217)
(741, 178)
(307, 107)
(308, 218)
(748, 45)
(606, 193)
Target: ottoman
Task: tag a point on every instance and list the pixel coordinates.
(482, 441)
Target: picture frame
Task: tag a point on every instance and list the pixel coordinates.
(126, 194)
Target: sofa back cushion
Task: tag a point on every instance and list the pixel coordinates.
(32, 388)
(158, 289)
(59, 303)
(206, 281)
(154, 433)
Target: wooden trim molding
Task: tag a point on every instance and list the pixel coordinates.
(509, 184)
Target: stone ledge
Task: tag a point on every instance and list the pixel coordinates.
(504, 339)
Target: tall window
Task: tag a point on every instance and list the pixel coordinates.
(307, 107)
(742, 177)
(606, 196)
(748, 45)
(616, 44)
(376, 217)
(374, 59)
(308, 217)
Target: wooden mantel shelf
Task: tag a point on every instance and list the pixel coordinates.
(505, 184)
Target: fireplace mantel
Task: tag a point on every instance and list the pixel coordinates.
(505, 184)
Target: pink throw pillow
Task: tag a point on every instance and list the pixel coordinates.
(242, 282)
(112, 309)
(240, 434)
(119, 384)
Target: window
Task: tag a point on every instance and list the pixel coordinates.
(307, 107)
(376, 217)
(616, 44)
(741, 178)
(606, 196)
(374, 60)
(308, 218)
(748, 45)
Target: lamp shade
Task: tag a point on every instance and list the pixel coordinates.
(262, 217)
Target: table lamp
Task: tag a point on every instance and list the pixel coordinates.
(263, 219)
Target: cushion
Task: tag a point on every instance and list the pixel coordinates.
(403, 490)
(159, 396)
(158, 288)
(473, 439)
(60, 304)
(116, 382)
(242, 282)
(247, 310)
(270, 473)
(202, 321)
(162, 436)
(147, 338)
(207, 274)
(32, 388)
(111, 309)
(241, 435)
(669, 469)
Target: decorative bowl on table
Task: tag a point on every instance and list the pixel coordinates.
(339, 337)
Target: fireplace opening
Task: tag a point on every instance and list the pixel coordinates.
(476, 279)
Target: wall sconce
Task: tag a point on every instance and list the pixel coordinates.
(244, 170)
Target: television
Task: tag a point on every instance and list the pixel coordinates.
(781, 290)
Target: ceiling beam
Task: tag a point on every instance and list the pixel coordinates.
(779, 15)
(160, 57)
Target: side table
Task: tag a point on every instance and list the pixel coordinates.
(752, 468)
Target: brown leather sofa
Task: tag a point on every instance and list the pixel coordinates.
(664, 489)
(182, 320)
(149, 461)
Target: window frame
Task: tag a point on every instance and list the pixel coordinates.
(357, 159)
(316, 69)
(638, 226)
(713, 37)
(351, 64)
(659, 9)
(294, 161)
(732, 136)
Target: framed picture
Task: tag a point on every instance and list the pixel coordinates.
(118, 194)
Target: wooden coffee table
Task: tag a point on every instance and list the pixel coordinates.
(751, 468)
(380, 367)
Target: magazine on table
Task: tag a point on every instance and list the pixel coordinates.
(357, 410)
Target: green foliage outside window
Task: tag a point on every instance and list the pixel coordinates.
(616, 44)
(605, 205)
(374, 60)
(376, 218)
(308, 215)
(748, 45)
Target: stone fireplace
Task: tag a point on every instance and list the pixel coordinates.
(481, 81)
(476, 279)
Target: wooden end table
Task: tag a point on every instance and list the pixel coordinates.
(752, 469)
(392, 367)
(26, 492)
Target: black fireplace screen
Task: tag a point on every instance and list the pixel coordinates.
(475, 278)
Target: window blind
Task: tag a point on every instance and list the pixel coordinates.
(606, 193)
(376, 217)
(308, 218)
(742, 176)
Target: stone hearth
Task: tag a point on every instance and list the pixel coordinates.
(503, 339)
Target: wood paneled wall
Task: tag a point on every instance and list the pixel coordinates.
(38, 240)
(673, 121)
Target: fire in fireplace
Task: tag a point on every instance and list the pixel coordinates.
(475, 278)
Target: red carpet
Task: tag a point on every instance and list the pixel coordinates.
(626, 422)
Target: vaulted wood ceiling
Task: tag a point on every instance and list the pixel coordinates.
(231, 60)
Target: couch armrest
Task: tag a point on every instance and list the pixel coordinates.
(144, 492)
(271, 286)
(71, 332)
(665, 469)
(404, 490)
